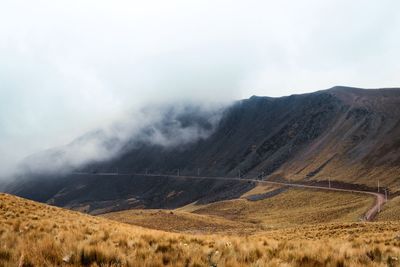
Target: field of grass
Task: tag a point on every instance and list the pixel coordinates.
(259, 189)
(240, 216)
(181, 221)
(33, 234)
(293, 207)
(184, 220)
(391, 210)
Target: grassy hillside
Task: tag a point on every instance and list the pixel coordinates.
(290, 208)
(391, 210)
(33, 234)
(293, 207)
(181, 221)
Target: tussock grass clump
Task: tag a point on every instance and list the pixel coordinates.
(48, 236)
(5, 255)
(99, 256)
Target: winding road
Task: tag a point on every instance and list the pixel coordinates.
(368, 216)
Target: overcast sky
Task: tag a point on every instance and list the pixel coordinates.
(70, 66)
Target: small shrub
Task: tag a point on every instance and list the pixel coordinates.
(166, 260)
(163, 248)
(95, 255)
(5, 255)
(375, 255)
(17, 225)
(106, 235)
(308, 261)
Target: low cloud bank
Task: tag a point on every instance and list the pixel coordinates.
(164, 125)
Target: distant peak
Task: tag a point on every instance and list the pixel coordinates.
(357, 89)
(345, 88)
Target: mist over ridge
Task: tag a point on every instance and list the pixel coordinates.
(69, 68)
(165, 125)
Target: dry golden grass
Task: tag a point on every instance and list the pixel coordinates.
(391, 210)
(293, 207)
(33, 234)
(182, 222)
(341, 170)
(240, 216)
(260, 188)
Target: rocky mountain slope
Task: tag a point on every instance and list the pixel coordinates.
(344, 134)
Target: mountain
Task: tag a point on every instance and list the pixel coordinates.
(347, 135)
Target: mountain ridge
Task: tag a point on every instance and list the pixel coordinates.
(345, 134)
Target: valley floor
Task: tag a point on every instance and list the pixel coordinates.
(290, 208)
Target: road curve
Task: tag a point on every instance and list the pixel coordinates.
(368, 216)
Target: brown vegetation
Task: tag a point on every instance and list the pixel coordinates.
(33, 234)
(241, 216)
(294, 207)
(181, 222)
(391, 210)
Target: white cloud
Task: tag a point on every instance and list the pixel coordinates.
(69, 66)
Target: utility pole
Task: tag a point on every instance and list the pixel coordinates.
(378, 185)
(239, 173)
(198, 171)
